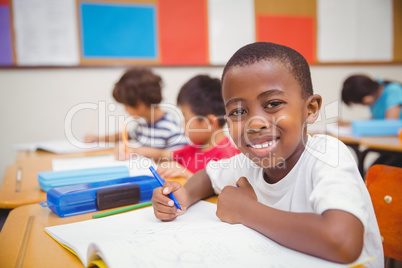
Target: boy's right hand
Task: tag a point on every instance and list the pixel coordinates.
(164, 208)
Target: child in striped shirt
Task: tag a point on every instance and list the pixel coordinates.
(139, 90)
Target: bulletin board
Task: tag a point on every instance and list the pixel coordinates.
(195, 33)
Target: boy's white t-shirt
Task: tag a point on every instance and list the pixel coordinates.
(325, 177)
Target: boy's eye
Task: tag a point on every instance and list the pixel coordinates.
(273, 104)
(237, 112)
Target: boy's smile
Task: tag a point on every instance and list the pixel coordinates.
(266, 114)
(262, 145)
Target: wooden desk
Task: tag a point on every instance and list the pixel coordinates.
(31, 163)
(364, 145)
(30, 192)
(390, 143)
(29, 155)
(37, 250)
(24, 244)
(390, 146)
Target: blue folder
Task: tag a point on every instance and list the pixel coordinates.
(50, 179)
(376, 127)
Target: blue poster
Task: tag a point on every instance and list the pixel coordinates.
(121, 31)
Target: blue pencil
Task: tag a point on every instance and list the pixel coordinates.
(161, 181)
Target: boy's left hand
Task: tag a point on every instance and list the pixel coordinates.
(232, 200)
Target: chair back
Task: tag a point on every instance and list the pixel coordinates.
(384, 184)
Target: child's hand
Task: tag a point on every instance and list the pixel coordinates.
(142, 151)
(173, 169)
(123, 152)
(91, 138)
(164, 208)
(232, 199)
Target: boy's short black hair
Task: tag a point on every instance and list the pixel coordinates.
(138, 85)
(286, 56)
(204, 96)
(356, 87)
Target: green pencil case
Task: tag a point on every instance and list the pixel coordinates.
(50, 179)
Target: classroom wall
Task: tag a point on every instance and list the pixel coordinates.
(34, 103)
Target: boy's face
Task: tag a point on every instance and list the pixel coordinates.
(266, 113)
(197, 129)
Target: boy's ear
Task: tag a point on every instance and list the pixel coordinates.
(368, 100)
(213, 119)
(313, 108)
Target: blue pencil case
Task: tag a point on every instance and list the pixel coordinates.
(376, 127)
(50, 179)
(89, 197)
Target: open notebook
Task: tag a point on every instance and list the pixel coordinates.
(196, 239)
(63, 146)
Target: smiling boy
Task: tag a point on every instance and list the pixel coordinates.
(303, 192)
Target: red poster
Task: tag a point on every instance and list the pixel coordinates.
(183, 32)
(297, 32)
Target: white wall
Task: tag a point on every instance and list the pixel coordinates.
(34, 102)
